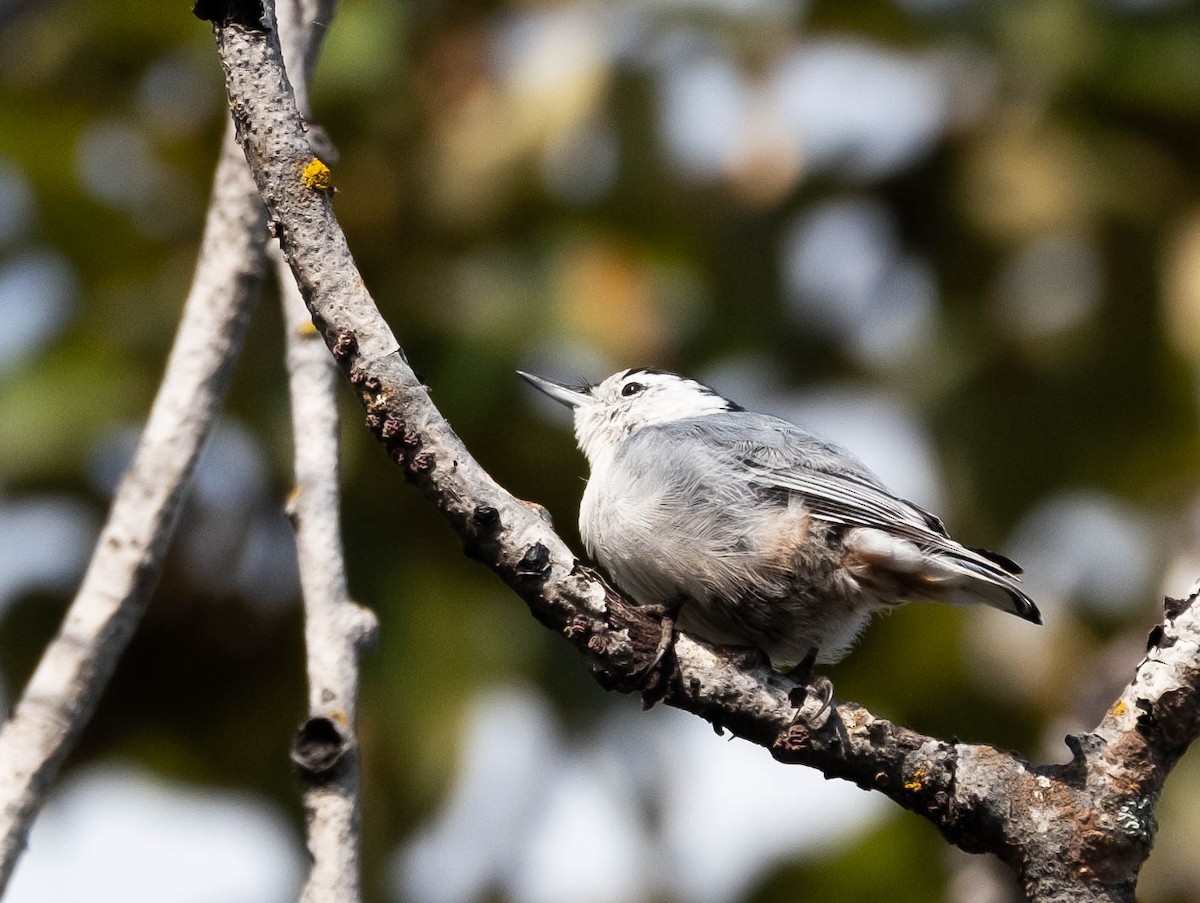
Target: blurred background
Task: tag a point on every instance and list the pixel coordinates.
(960, 237)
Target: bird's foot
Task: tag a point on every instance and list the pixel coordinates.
(803, 672)
(818, 692)
(812, 689)
(655, 678)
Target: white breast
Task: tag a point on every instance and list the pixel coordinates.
(626, 528)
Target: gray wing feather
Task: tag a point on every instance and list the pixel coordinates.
(836, 499)
(837, 488)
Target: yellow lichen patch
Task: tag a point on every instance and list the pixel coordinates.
(306, 329)
(917, 778)
(1119, 709)
(339, 717)
(316, 176)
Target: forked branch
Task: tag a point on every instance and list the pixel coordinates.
(1077, 832)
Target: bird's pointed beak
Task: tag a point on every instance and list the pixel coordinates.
(572, 398)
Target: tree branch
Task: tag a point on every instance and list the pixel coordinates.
(325, 748)
(75, 668)
(1077, 832)
(335, 628)
(62, 693)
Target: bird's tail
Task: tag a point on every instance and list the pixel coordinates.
(980, 577)
(938, 569)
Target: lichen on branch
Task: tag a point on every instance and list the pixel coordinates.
(1079, 831)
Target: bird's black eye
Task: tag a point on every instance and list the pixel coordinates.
(631, 389)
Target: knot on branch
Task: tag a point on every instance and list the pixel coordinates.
(1173, 719)
(480, 543)
(793, 741)
(344, 346)
(364, 625)
(371, 386)
(1159, 638)
(401, 442)
(1173, 608)
(486, 517)
(578, 629)
(223, 13)
(320, 746)
(535, 562)
(423, 462)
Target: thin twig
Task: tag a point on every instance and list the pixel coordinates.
(335, 628)
(74, 669)
(1074, 832)
(63, 691)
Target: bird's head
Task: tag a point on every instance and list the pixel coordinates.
(617, 407)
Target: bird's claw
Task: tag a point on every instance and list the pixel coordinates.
(655, 678)
(810, 686)
(817, 689)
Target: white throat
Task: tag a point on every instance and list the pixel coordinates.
(600, 428)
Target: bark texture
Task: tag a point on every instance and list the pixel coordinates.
(1077, 832)
(63, 691)
(335, 628)
(325, 749)
(73, 671)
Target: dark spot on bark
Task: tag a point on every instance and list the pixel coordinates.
(1073, 744)
(486, 516)
(424, 462)
(275, 228)
(535, 562)
(374, 423)
(1174, 717)
(577, 628)
(1175, 607)
(606, 678)
(939, 803)
(246, 13)
(396, 454)
(319, 746)
(392, 427)
(796, 739)
(241, 123)
(372, 385)
(357, 376)
(1155, 637)
(877, 731)
(345, 345)
(881, 779)
(1081, 745)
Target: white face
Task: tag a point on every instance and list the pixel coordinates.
(631, 399)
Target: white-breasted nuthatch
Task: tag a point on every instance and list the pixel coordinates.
(767, 535)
